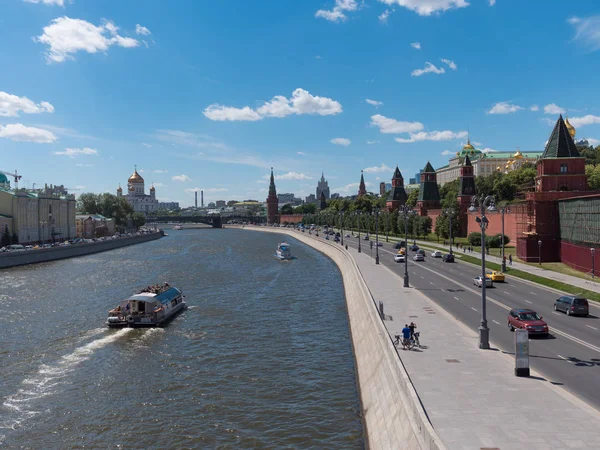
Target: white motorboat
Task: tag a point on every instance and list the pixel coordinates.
(151, 307)
(178, 227)
(284, 251)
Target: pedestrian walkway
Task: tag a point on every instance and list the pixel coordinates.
(471, 396)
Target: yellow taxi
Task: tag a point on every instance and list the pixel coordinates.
(402, 251)
(495, 275)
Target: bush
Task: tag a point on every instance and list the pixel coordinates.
(474, 239)
(496, 241)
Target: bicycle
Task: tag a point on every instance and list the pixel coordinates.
(407, 344)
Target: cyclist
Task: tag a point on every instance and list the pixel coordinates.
(405, 335)
(412, 327)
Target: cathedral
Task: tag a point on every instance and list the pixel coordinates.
(136, 194)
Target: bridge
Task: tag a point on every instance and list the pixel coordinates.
(214, 220)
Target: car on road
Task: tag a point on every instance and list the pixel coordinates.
(366, 238)
(379, 244)
(418, 257)
(402, 251)
(336, 239)
(348, 235)
(421, 252)
(572, 305)
(414, 248)
(436, 254)
(448, 257)
(400, 258)
(527, 319)
(494, 275)
(399, 245)
(478, 281)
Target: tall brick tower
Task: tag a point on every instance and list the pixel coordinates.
(466, 190)
(429, 194)
(362, 190)
(272, 203)
(397, 195)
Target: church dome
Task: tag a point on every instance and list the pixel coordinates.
(518, 155)
(570, 128)
(120, 189)
(468, 149)
(135, 177)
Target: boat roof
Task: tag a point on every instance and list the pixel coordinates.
(163, 297)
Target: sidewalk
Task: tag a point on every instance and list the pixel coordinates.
(471, 396)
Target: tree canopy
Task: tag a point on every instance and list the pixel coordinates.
(108, 205)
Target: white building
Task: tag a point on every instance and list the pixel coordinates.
(136, 195)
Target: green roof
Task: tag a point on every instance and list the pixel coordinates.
(428, 168)
(511, 155)
(560, 144)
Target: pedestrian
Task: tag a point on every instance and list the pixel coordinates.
(405, 336)
(510, 260)
(464, 250)
(412, 327)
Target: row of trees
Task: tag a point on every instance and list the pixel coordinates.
(7, 238)
(110, 206)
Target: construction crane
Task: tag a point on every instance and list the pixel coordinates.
(15, 175)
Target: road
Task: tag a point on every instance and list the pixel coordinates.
(569, 357)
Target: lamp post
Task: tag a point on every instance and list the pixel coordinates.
(593, 252)
(358, 221)
(405, 211)
(376, 235)
(387, 226)
(342, 226)
(540, 252)
(450, 213)
(502, 210)
(482, 203)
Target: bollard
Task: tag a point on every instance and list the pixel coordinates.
(521, 353)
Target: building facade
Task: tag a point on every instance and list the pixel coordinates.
(137, 196)
(168, 205)
(322, 187)
(221, 203)
(310, 199)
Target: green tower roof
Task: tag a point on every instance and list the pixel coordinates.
(560, 144)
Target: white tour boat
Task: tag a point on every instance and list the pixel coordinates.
(178, 227)
(151, 307)
(284, 251)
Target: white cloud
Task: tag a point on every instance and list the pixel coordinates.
(160, 171)
(146, 145)
(261, 181)
(492, 2)
(416, 45)
(337, 13)
(293, 176)
(383, 17)
(587, 31)
(433, 136)
(427, 7)
(182, 178)
(159, 185)
(372, 142)
(47, 2)
(84, 165)
(553, 108)
(447, 153)
(449, 63)
(318, 57)
(80, 187)
(350, 188)
(302, 102)
(65, 37)
(73, 152)
(10, 105)
(139, 29)
(488, 150)
(392, 126)
(301, 153)
(585, 120)
(20, 133)
(429, 68)
(593, 141)
(374, 102)
(534, 108)
(381, 169)
(504, 108)
(341, 141)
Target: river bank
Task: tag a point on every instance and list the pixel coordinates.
(13, 259)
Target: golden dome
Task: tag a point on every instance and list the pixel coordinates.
(120, 189)
(468, 145)
(570, 127)
(457, 153)
(518, 155)
(498, 168)
(135, 177)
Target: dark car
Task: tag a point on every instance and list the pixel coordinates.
(448, 257)
(572, 305)
(366, 238)
(414, 248)
(527, 319)
(398, 245)
(421, 252)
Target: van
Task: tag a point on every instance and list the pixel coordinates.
(572, 305)
(15, 248)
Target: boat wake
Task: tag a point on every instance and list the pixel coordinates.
(46, 381)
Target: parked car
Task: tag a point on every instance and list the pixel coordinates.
(414, 248)
(478, 281)
(494, 275)
(379, 244)
(399, 245)
(448, 257)
(400, 258)
(436, 254)
(418, 257)
(572, 305)
(527, 319)
(348, 235)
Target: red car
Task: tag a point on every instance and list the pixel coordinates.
(529, 320)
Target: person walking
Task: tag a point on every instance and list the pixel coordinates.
(510, 260)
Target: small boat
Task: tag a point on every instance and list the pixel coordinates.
(284, 251)
(151, 307)
(178, 227)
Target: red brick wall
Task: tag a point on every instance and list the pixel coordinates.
(433, 213)
(291, 218)
(495, 225)
(579, 257)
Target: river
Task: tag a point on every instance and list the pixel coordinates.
(261, 359)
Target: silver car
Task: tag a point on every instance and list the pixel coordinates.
(572, 305)
(478, 281)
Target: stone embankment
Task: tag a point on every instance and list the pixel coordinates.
(12, 259)
(393, 416)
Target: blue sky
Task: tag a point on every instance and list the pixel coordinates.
(209, 95)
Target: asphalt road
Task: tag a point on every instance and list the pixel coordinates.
(569, 357)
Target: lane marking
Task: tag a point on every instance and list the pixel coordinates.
(422, 278)
(565, 359)
(497, 323)
(533, 293)
(431, 283)
(473, 309)
(507, 292)
(593, 328)
(456, 298)
(528, 301)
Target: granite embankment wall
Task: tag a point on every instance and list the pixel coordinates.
(11, 259)
(393, 416)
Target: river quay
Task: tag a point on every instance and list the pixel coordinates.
(13, 259)
(448, 394)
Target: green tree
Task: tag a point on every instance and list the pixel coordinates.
(593, 173)
(5, 240)
(287, 209)
(15, 238)
(138, 219)
(423, 225)
(411, 202)
(449, 193)
(87, 203)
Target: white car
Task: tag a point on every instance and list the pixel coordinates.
(418, 257)
(436, 254)
(477, 281)
(347, 235)
(399, 258)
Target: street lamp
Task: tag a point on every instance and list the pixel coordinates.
(502, 210)
(376, 235)
(358, 221)
(482, 203)
(450, 213)
(540, 252)
(405, 211)
(593, 252)
(387, 226)
(342, 225)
